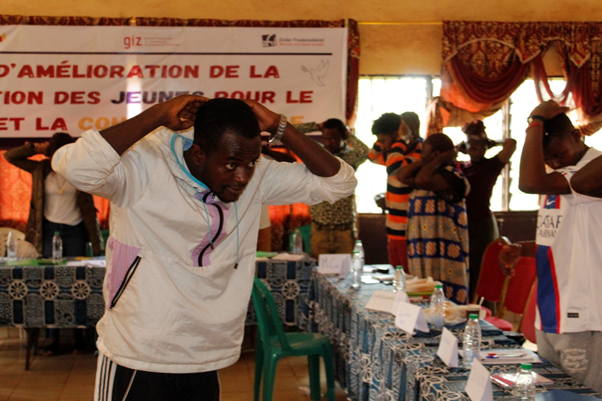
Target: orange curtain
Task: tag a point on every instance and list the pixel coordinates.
(15, 195)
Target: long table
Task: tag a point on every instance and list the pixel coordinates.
(376, 361)
(36, 296)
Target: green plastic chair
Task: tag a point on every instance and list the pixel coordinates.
(273, 343)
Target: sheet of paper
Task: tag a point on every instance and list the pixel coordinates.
(448, 348)
(478, 386)
(410, 317)
(507, 356)
(77, 262)
(290, 256)
(345, 265)
(381, 301)
(400, 298)
(96, 262)
(335, 263)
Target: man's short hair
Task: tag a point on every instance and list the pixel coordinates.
(557, 127)
(439, 142)
(413, 121)
(387, 124)
(221, 115)
(57, 141)
(335, 123)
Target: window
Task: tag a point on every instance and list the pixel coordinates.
(376, 96)
(397, 94)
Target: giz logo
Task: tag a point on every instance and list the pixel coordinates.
(131, 41)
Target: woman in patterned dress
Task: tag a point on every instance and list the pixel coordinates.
(437, 223)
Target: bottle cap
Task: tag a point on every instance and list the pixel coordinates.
(527, 366)
(473, 316)
(438, 286)
(399, 268)
(57, 233)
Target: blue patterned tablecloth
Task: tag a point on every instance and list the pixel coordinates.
(376, 361)
(60, 296)
(289, 282)
(51, 296)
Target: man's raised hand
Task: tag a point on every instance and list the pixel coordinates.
(549, 109)
(179, 113)
(267, 119)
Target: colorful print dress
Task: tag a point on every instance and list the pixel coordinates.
(438, 238)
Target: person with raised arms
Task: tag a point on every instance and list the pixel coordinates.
(185, 209)
(569, 319)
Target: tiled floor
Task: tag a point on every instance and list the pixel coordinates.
(67, 377)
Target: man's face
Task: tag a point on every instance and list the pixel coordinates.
(563, 151)
(386, 140)
(476, 150)
(228, 169)
(332, 140)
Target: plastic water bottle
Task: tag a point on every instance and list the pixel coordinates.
(399, 282)
(359, 248)
(11, 246)
(297, 242)
(57, 246)
(471, 340)
(438, 307)
(524, 388)
(357, 267)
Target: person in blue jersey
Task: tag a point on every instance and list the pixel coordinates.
(569, 302)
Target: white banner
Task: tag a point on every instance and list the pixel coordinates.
(74, 78)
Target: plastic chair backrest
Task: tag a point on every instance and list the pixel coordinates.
(268, 319)
(527, 326)
(4, 236)
(520, 285)
(491, 279)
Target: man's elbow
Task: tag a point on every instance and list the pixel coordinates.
(528, 186)
(510, 143)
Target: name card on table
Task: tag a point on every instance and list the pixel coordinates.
(448, 348)
(335, 263)
(410, 317)
(400, 299)
(381, 301)
(478, 387)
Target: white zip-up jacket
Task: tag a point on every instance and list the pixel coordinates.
(174, 304)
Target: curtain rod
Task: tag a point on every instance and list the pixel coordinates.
(436, 23)
(401, 23)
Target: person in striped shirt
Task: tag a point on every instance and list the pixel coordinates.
(398, 145)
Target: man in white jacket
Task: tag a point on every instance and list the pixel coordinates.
(184, 219)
